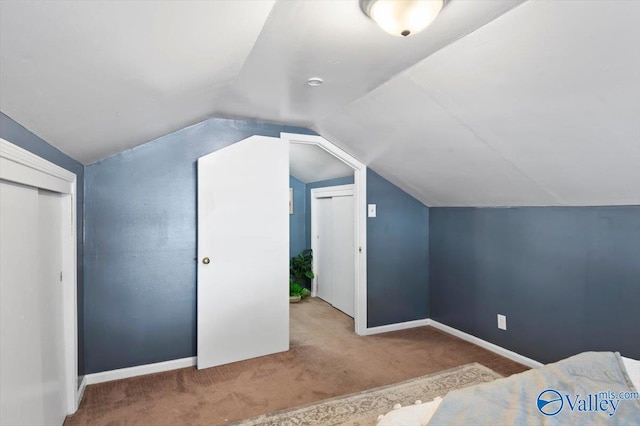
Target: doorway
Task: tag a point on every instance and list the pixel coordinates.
(359, 258)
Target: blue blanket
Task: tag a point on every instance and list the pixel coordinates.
(591, 388)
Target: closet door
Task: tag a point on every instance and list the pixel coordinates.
(335, 251)
(343, 254)
(32, 370)
(324, 244)
(52, 315)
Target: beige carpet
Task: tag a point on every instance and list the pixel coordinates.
(363, 408)
(327, 359)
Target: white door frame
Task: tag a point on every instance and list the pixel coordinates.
(21, 166)
(360, 199)
(316, 193)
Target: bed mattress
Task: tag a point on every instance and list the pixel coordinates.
(420, 414)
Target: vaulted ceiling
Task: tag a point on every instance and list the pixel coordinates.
(309, 163)
(499, 102)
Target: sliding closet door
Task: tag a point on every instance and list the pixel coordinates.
(334, 229)
(51, 314)
(32, 370)
(343, 251)
(324, 248)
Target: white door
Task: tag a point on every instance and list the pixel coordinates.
(334, 252)
(32, 370)
(343, 254)
(324, 249)
(243, 251)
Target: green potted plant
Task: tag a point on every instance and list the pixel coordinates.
(300, 272)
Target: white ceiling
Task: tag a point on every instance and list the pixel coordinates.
(94, 78)
(309, 163)
(491, 105)
(540, 107)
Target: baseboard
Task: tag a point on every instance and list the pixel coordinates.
(158, 367)
(80, 393)
(140, 370)
(486, 345)
(395, 327)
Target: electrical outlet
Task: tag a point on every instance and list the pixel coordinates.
(502, 322)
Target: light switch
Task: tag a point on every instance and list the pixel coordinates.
(502, 322)
(372, 210)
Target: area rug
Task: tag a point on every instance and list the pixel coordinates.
(363, 408)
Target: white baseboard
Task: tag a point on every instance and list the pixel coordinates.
(140, 370)
(395, 327)
(486, 345)
(80, 393)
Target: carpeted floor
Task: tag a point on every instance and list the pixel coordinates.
(363, 408)
(326, 359)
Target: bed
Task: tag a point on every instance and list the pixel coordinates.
(583, 389)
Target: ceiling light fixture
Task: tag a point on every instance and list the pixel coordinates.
(402, 17)
(315, 81)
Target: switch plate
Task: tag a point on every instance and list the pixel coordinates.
(371, 211)
(502, 322)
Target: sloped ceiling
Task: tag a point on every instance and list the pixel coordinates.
(309, 163)
(94, 78)
(492, 105)
(540, 107)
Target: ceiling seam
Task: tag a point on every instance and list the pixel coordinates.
(264, 25)
(537, 184)
(400, 183)
(399, 73)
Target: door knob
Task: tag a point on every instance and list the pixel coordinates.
(206, 261)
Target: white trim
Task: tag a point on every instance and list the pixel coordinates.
(360, 198)
(81, 389)
(397, 326)
(21, 166)
(486, 345)
(28, 159)
(70, 296)
(324, 192)
(333, 191)
(140, 370)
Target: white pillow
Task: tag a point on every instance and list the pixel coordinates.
(633, 370)
(411, 415)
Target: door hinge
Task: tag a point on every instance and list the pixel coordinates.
(60, 276)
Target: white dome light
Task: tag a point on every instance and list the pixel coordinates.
(315, 81)
(402, 17)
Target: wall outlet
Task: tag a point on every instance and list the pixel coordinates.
(502, 322)
(371, 210)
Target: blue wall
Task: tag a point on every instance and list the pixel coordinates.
(568, 278)
(398, 255)
(297, 226)
(13, 132)
(347, 180)
(140, 253)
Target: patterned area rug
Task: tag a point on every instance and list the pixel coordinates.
(363, 408)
